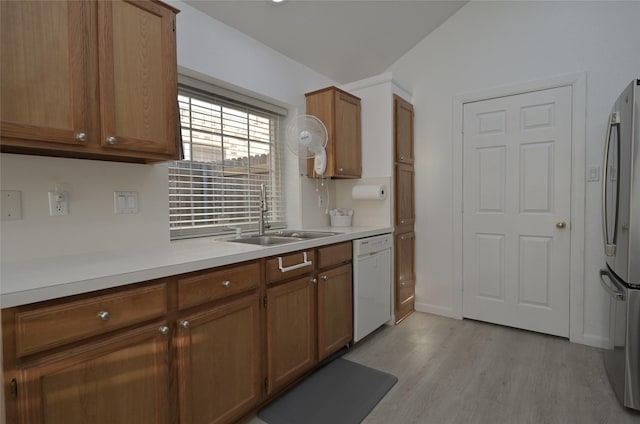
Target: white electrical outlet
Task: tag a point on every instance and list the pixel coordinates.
(58, 203)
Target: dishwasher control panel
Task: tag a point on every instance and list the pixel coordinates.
(369, 245)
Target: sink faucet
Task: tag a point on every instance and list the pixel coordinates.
(263, 210)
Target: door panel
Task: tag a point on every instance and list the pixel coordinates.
(516, 196)
(138, 91)
(219, 362)
(44, 85)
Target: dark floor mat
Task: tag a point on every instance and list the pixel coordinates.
(341, 392)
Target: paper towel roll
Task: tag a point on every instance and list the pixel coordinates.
(369, 192)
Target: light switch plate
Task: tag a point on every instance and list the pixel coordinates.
(11, 205)
(594, 173)
(125, 202)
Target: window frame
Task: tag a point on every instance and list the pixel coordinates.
(213, 172)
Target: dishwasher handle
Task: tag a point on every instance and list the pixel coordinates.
(618, 294)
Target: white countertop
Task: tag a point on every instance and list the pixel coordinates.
(35, 280)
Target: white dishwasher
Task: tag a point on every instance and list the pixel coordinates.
(371, 284)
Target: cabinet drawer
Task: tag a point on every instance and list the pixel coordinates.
(50, 326)
(334, 254)
(290, 265)
(202, 287)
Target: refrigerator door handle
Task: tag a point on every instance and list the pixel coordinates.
(618, 294)
(609, 245)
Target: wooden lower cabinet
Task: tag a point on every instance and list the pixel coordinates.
(156, 353)
(219, 362)
(335, 310)
(121, 379)
(291, 331)
(405, 276)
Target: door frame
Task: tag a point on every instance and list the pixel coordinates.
(577, 82)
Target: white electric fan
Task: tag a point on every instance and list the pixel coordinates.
(307, 137)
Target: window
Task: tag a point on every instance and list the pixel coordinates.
(229, 150)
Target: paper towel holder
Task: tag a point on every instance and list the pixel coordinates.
(369, 192)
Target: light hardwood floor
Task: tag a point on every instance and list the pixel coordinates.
(464, 372)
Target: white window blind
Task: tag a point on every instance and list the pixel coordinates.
(229, 150)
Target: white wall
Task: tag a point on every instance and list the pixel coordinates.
(376, 95)
(204, 45)
(491, 44)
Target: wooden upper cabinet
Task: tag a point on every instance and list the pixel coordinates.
(402, 130)
(45, 71)
(89, 79)
(138, 85)
(340, 113)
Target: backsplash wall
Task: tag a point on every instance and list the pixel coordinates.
(206, 46)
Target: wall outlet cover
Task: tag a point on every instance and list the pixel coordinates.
(11, 205)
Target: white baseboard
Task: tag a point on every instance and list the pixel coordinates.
(436, 310)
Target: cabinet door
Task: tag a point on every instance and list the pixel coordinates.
(404, 274)
(291, 331)
(44, 64)
(122, 379)
(404, 205)
(219, 362)
(138, 88)
(335, 310)
(403, 130)
(347, 149)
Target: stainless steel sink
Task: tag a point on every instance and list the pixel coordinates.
(281, 237)
(267, 240)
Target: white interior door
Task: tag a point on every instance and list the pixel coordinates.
(516, 197)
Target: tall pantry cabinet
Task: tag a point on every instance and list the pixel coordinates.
(404, 208)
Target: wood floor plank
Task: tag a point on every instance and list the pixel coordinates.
(467, 372)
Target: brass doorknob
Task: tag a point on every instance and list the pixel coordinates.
(561, 224)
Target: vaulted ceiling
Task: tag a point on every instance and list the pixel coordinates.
(342, 39)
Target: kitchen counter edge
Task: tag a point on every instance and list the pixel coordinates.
(36, 280)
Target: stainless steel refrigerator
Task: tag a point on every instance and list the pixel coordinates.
(621, 234)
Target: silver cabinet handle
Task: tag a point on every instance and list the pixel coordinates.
(325, 277)
(402, 221)
(164, 329)
(82, 137)
(104, 315)
(314, 281)
(402, 283)
(111, 140)
(401, 157)
(341, 169)
(226, 283)
(185, 324)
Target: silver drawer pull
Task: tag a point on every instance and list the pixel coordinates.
(226, 283)
(184, 324)
(304, 263)
(104, 315)
(164, 330)
(325, 277)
